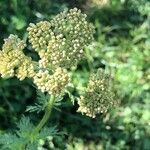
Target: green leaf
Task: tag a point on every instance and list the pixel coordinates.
(10, 142)
(42, 100)
(25, 127)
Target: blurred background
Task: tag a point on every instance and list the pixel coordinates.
(122, 47)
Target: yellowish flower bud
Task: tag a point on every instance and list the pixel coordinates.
(26, 69)
(52, 83)
(13, 62)
(98, 96)
(60, 42)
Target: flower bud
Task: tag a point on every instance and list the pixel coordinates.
(61, 39)
(52, 83)
(13, 62)
(98, 96)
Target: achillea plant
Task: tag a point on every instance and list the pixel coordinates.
(61, 41)
(53, 84)
(98, 97)
(60, 44)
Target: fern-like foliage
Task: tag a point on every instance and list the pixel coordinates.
(10, 142)
(25, 127)
(17, 140)
(23, 138)
(42, 100)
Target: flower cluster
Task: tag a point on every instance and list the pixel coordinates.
(53, 84)
(26, 69)
(60, 42)
(98, 3)
(98, 96)
(13, 62)
(39, 35)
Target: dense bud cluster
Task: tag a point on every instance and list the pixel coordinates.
(53, 84)
(98, 96)
(13, 43)
(13, 62)
(60, 42)
(26, 69)
(39, 35)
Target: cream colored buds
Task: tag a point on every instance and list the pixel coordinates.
(52, 83)
(39, 35)
(13, 43)
(13, 62)
(60, 45)
(60, 42)
(98, 96)
(26, 69)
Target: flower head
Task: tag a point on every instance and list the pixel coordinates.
(60, 42)
(98, 96)
(26, 69)
(13, 62)
(39, 35)
(13, 43)
(52, 83)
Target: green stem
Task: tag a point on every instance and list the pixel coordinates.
(45, 118)
(47, 114)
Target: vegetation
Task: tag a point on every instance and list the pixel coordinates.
(121, 47)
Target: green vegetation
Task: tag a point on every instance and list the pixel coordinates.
(121, 47)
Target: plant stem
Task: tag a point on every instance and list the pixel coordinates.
(47, 114)
(45, 118)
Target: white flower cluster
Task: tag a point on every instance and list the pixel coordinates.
(98, 96)
(13, 62)
(39, 35)
(60, 42)
(53, 84)
(26, 69)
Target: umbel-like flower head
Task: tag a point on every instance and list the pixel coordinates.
(60, 42)
(98, 96)
(52, 83)
(13, 62)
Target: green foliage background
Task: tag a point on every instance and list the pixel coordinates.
(122, 47)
